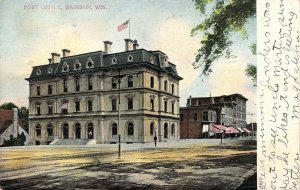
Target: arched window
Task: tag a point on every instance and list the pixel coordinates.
(38, 131)
(173, 129)
(66, 131)
(49, 130)
(90, 131)
(114, 130)
(130, 130)
(151, 128)
(166, 131)
(77, 131)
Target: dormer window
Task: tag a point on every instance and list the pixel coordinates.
(50, 70)
(65, 67)
(77, 65)
(114, 60)
(38, 72)
(130, 58)
(166, 59)
(151, 60)
(89, 63)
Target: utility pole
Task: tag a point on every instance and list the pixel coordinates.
(251, 114)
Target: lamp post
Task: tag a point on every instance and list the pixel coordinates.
(119, 113)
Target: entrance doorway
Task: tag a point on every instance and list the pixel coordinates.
(166, 131)
(66, 131)
(77, 131)
(90, 131)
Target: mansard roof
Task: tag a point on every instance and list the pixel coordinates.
(99, 60)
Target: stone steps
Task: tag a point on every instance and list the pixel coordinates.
(73, 142)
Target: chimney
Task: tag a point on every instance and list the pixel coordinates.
(128, 44)
(107, 46)
(66, 52)
(135, 45)
(50, 60)
(190, 100)
(15, 122)
(55, 57)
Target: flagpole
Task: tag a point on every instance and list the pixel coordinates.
(129, 28)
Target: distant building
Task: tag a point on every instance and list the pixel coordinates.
(75, 98)
(11, 125)
(202, 112)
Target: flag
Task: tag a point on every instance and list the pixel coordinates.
(123, 26)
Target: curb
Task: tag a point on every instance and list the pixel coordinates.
(236, 184)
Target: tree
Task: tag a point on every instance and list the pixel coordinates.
(222, 19)
(24, 115)
(8, 106)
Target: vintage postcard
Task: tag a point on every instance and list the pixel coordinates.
(135, 95)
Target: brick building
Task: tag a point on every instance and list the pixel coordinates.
(76, 98)
(202, 112)
(11, 126)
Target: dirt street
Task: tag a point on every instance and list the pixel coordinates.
(193, 165)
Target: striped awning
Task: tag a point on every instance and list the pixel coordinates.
(246, 130)
(222, 128)
(233, 130)
(214, 129)
(239, 129)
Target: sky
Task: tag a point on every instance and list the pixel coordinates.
(31, 30)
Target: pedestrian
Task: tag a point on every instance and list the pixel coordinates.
(90, 134)
(155, 140)
(222, 136)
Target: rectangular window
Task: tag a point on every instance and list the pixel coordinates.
(130, 103)
(90, 105)
(38, 90)
(90, 83)
(130, 81)
(77, 83)
(205, 116)
(50, 131)
(210, 116)
(173, 109)
(49, 89)
(66, 85)
(77, 106)
(114, 104)
(152, 82)
(38, 109)
(152, 104)
(181, 117)
(50, 110)
(173, 89)
(114, 83)
(195, 116)
(166, 86)
(166, 105)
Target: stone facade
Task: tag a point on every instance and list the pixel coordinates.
(77, 97)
